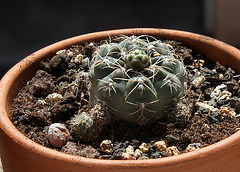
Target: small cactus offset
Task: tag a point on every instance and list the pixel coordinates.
(89, 125)
(137, 78)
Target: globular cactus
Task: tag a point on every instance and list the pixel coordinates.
(137, 78)
(81, 125)
(89, 125)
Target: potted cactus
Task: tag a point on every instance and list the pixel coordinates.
(136, 80)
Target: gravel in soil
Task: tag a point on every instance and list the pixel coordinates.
(208, 112)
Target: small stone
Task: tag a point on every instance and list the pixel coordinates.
(237, 129)
(138, 153)
(161, 146)
(198, 63)
(61, 52)
(193, 146)
(144, 148)
(54, 97)
(206, 126)
(86, 62)
(217, 91)
(221, 76)
(172, 151)
(106, 146)
(78, 59)
(58, 135)
(206, 106)
(130, 149)
(91, 44)
(70, 53)
(41, 102)
(128, 156)
(198, 81)
(224, 110)
(227, 112)
(225, 95)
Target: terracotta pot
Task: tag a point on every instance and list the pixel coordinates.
(19, 153)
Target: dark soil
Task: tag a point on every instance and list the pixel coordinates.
(198, 119)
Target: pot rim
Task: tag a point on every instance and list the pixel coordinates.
(8, 128)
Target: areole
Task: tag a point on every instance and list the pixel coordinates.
(19, 153)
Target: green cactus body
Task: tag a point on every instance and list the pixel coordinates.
(136, 78)
(89, 125)
(82, 125)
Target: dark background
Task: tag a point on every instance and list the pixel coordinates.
(29, 25)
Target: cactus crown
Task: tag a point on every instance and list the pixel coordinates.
(137, 78)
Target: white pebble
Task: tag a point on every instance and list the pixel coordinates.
(106, 146)
(138, 153)
(232, 114)
(143, 147)
(54, 97)
(78, 59)
(41, 102)
(70, 53)
(198, 81)
(91, 44)
(61, 52)
(217, 91)
(172, 151)
(225, 95)
(86, 61)
(228, 112)
(221, 76)
(161, 146)
(130, 149)
(193, 146)
(58, 135)
(128, 156)
(198, 63)
(206, 126)
(206, 106)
